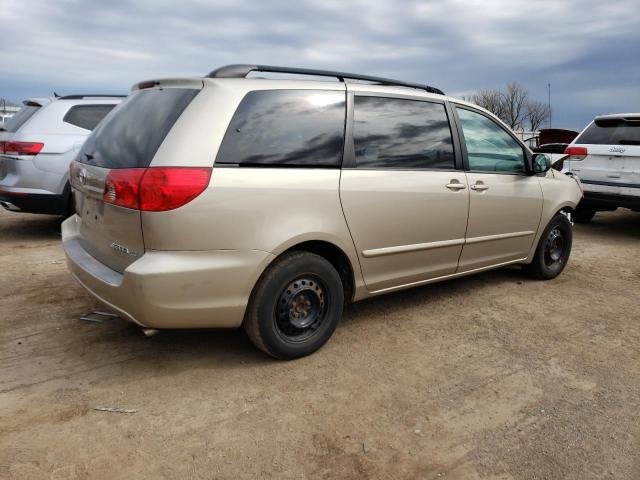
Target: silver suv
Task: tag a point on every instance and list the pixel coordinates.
(226, 201)
(606, 157)
(38, 144)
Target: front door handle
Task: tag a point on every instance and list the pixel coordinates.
(455, 185)
(479, 187)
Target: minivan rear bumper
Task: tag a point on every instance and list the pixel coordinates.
(165, 289)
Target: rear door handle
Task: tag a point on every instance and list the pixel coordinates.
(455, 186)
(479, 187)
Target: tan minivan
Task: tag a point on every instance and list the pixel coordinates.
(226, 201)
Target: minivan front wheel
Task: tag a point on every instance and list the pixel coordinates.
(553, 249)
(296, 306)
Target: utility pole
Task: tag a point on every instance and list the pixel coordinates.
(549, 85)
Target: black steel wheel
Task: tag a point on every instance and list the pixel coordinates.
(301, 309)
(553, 250)
(295, 306)
(554, 247)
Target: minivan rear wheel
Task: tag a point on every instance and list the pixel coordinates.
(296, 306)
(553, 250)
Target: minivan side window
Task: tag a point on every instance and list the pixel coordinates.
(286, 127)
(87, 116)
(402, 134)
(489, 147)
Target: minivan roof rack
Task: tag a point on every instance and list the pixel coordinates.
(80, 97)
(241, 71)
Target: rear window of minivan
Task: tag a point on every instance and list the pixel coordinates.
(130, 135)
(611, 131)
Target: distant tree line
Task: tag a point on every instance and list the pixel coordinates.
(513, 106)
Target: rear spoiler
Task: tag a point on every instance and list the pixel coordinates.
(194, 83)
(31, 103)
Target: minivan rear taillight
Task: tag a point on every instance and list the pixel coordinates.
(122, 187)
(20, 148)
(155, 189)
(575, 153)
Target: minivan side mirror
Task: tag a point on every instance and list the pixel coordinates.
(541, 163)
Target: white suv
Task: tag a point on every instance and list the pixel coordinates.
(606, 158)
(37, 146)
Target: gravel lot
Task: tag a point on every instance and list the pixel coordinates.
(489, 377)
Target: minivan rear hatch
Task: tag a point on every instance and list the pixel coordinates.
(125, 142)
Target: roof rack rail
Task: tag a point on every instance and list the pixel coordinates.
(241, 71)
(80, 97)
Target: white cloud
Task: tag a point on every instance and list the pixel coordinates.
(458, 45)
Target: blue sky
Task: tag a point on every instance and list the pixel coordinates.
(588, 50)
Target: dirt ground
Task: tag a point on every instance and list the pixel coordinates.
(488, 377)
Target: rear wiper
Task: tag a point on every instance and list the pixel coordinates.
(2, 129)
(629, 142)
(89, 156)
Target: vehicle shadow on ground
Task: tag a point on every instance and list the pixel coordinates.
(181, 349)
(366, 310)
(172, 351)
(22, 227)
(622, 224)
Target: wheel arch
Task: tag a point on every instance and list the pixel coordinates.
(567, 206)
(335, 256)
(330, 251)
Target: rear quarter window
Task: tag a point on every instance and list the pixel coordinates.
(615, 131)
(131, 134)
(87, 116)
(286, 127)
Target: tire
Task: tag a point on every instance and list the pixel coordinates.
(68, 206)
(71, 207)
(295, 306)
(583, 215)
(553, 250)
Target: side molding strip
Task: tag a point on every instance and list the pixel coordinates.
(500, 236)
(379, 252)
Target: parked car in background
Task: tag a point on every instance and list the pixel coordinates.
(226, 201)
(553, 142)
(606, 158)
(37, 145)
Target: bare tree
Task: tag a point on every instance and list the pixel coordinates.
(488, 99)
(537, 113)
(514, 103)
(512, 106)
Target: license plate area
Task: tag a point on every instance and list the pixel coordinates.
(92, 211)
